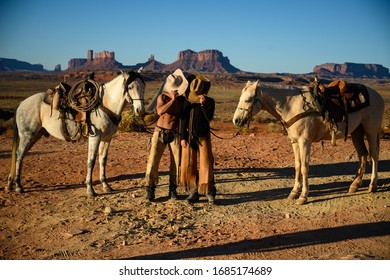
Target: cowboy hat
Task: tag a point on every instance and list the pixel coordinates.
(176, 81)
(199, 86)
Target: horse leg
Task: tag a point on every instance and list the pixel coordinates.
(26, 141)
(373, 145)
(93, 143)
(358, 142)
(103, 151)
(304, 151)
(294, 194)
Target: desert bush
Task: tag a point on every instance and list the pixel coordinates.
(276, 127)
(130, 123)
(264, 117)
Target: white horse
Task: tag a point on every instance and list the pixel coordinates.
(34, 118)
(294, 108)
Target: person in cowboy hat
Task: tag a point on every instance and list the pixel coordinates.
(198, 111)
(166, 133)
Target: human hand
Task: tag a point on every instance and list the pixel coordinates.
(184, 143)
(202, 99)
(173, 93)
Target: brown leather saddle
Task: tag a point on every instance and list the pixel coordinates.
(77, 106)
(339, 98)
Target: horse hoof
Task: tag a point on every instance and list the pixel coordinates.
(293, 195)
(91, 193)
(372, 188)
(19, 190)
(352, 189)
(301, 201)
(107, 189)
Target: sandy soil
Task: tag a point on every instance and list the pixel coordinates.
(54, 219)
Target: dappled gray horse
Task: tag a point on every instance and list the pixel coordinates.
(304, 124)
(34, 118)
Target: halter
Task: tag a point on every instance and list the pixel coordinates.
(286, 124)
(126, 82)
(250, 109)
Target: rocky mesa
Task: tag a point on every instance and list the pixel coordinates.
(95, 61)
(355, 70)
(204, 61)
(211, 61)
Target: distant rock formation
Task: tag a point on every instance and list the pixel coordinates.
(151, 65)
(188, 60)
(203, 61)
(7, 64)
(57, 68)
(356, 70)
(104, 60)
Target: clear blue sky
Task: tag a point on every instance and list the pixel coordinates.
(256, 35)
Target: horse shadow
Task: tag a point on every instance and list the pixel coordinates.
(286, 241)
(7, 154)
(316, 190)
(254, 175)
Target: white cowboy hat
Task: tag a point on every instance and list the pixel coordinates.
(176, 81)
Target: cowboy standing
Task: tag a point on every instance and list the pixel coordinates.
(198, 111)
(166, 133)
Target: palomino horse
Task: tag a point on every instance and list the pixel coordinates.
(34, 118)
(294, 108)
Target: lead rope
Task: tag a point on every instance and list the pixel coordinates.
(211, 129)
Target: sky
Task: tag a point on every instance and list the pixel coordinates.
(261, 36)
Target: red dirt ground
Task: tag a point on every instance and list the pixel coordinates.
(54, 219)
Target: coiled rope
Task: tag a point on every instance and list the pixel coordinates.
(90, 98)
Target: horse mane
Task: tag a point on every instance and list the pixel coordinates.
(134, 75)
(279, 86)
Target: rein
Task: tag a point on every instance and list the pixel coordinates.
(211, 129)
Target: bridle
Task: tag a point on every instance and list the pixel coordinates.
(255, 99)
(126, 82)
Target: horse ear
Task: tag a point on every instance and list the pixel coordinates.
(120, 72)
(140, 70)
(257, 82)
(248, 83)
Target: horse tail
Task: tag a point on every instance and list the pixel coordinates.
(15, 145)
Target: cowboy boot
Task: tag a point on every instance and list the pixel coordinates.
(211, 199)
(211, 196)
(150, 193)
(193, 197)
(172, 192)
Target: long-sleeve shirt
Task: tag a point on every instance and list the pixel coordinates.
(193, 121)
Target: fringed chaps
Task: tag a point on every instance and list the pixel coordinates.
(190, 178)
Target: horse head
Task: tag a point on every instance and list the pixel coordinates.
(248, 105)
(134, 90)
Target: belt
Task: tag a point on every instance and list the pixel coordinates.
(162, 129)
